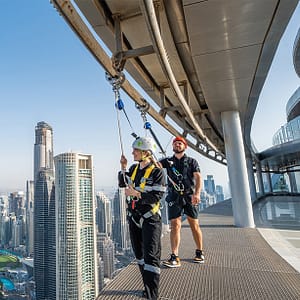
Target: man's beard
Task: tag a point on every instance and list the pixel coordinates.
(175, 150)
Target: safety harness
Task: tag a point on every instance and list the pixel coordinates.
(155, 206)
(179, 186)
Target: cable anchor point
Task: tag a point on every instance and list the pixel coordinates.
(116, 81)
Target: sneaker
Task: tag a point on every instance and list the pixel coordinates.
(199, 257)
(172, 262)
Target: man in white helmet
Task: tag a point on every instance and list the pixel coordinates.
(145, 186)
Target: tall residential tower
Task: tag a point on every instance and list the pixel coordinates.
(76, 257)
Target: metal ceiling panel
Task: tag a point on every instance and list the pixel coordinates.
(225, 66)
(231, 94)
(218, 25)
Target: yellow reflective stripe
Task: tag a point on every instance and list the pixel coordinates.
(155, 209)
(146, 175)
(134, 173)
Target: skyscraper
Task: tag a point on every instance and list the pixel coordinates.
(119, 224)
(76, 257)
(44, 214)
(106, 250)
(209, 185)
(29, 217)
(43, 148)
(219, 193)
(103, 214)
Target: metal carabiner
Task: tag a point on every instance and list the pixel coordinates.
(143, 108)
(116, 81)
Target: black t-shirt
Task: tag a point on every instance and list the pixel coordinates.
(186, 166)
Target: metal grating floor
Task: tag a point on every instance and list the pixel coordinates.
(239, 264)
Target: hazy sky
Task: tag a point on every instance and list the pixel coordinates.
(46, 74)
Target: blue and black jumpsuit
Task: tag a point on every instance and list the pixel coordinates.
(145, 222)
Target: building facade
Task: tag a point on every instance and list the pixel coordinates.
(106, 249)
(76, 257)
(44, 214)
(29, 217)
(119, 224)
(43, 148)
(103, 214)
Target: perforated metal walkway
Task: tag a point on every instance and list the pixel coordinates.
(239, 265)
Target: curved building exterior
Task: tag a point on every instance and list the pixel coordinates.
(291, 130)
(296, 55)
(289, 133)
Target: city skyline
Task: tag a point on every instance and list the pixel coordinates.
(48, 75)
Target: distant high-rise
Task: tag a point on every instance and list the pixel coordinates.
(29, 217)
(209, 185)
(103, 214)
(120, 225)
(18, 231)
(43, 148)
(107, 250)
(44, 214)
(100, 273)
(4, 229)
(76, 256)
(219, 193)
(16, 203)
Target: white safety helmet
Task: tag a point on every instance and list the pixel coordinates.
(144, 144)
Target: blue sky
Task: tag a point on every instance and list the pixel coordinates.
(48, 75)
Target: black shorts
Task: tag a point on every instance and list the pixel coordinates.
(179, 205)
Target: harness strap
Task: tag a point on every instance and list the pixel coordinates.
(153, 211)
(156, 206)
(185, 168)
(148, 214)
(143, 180)
(175, 185)
(146, 175)
(179, 187)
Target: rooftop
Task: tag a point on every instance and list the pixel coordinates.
(240, 264)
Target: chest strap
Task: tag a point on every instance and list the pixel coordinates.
(179, 186)
(143, 179)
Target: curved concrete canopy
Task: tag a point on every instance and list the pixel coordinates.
(219, 51)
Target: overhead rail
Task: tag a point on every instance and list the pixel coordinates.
(205, 147)
(152, 23)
